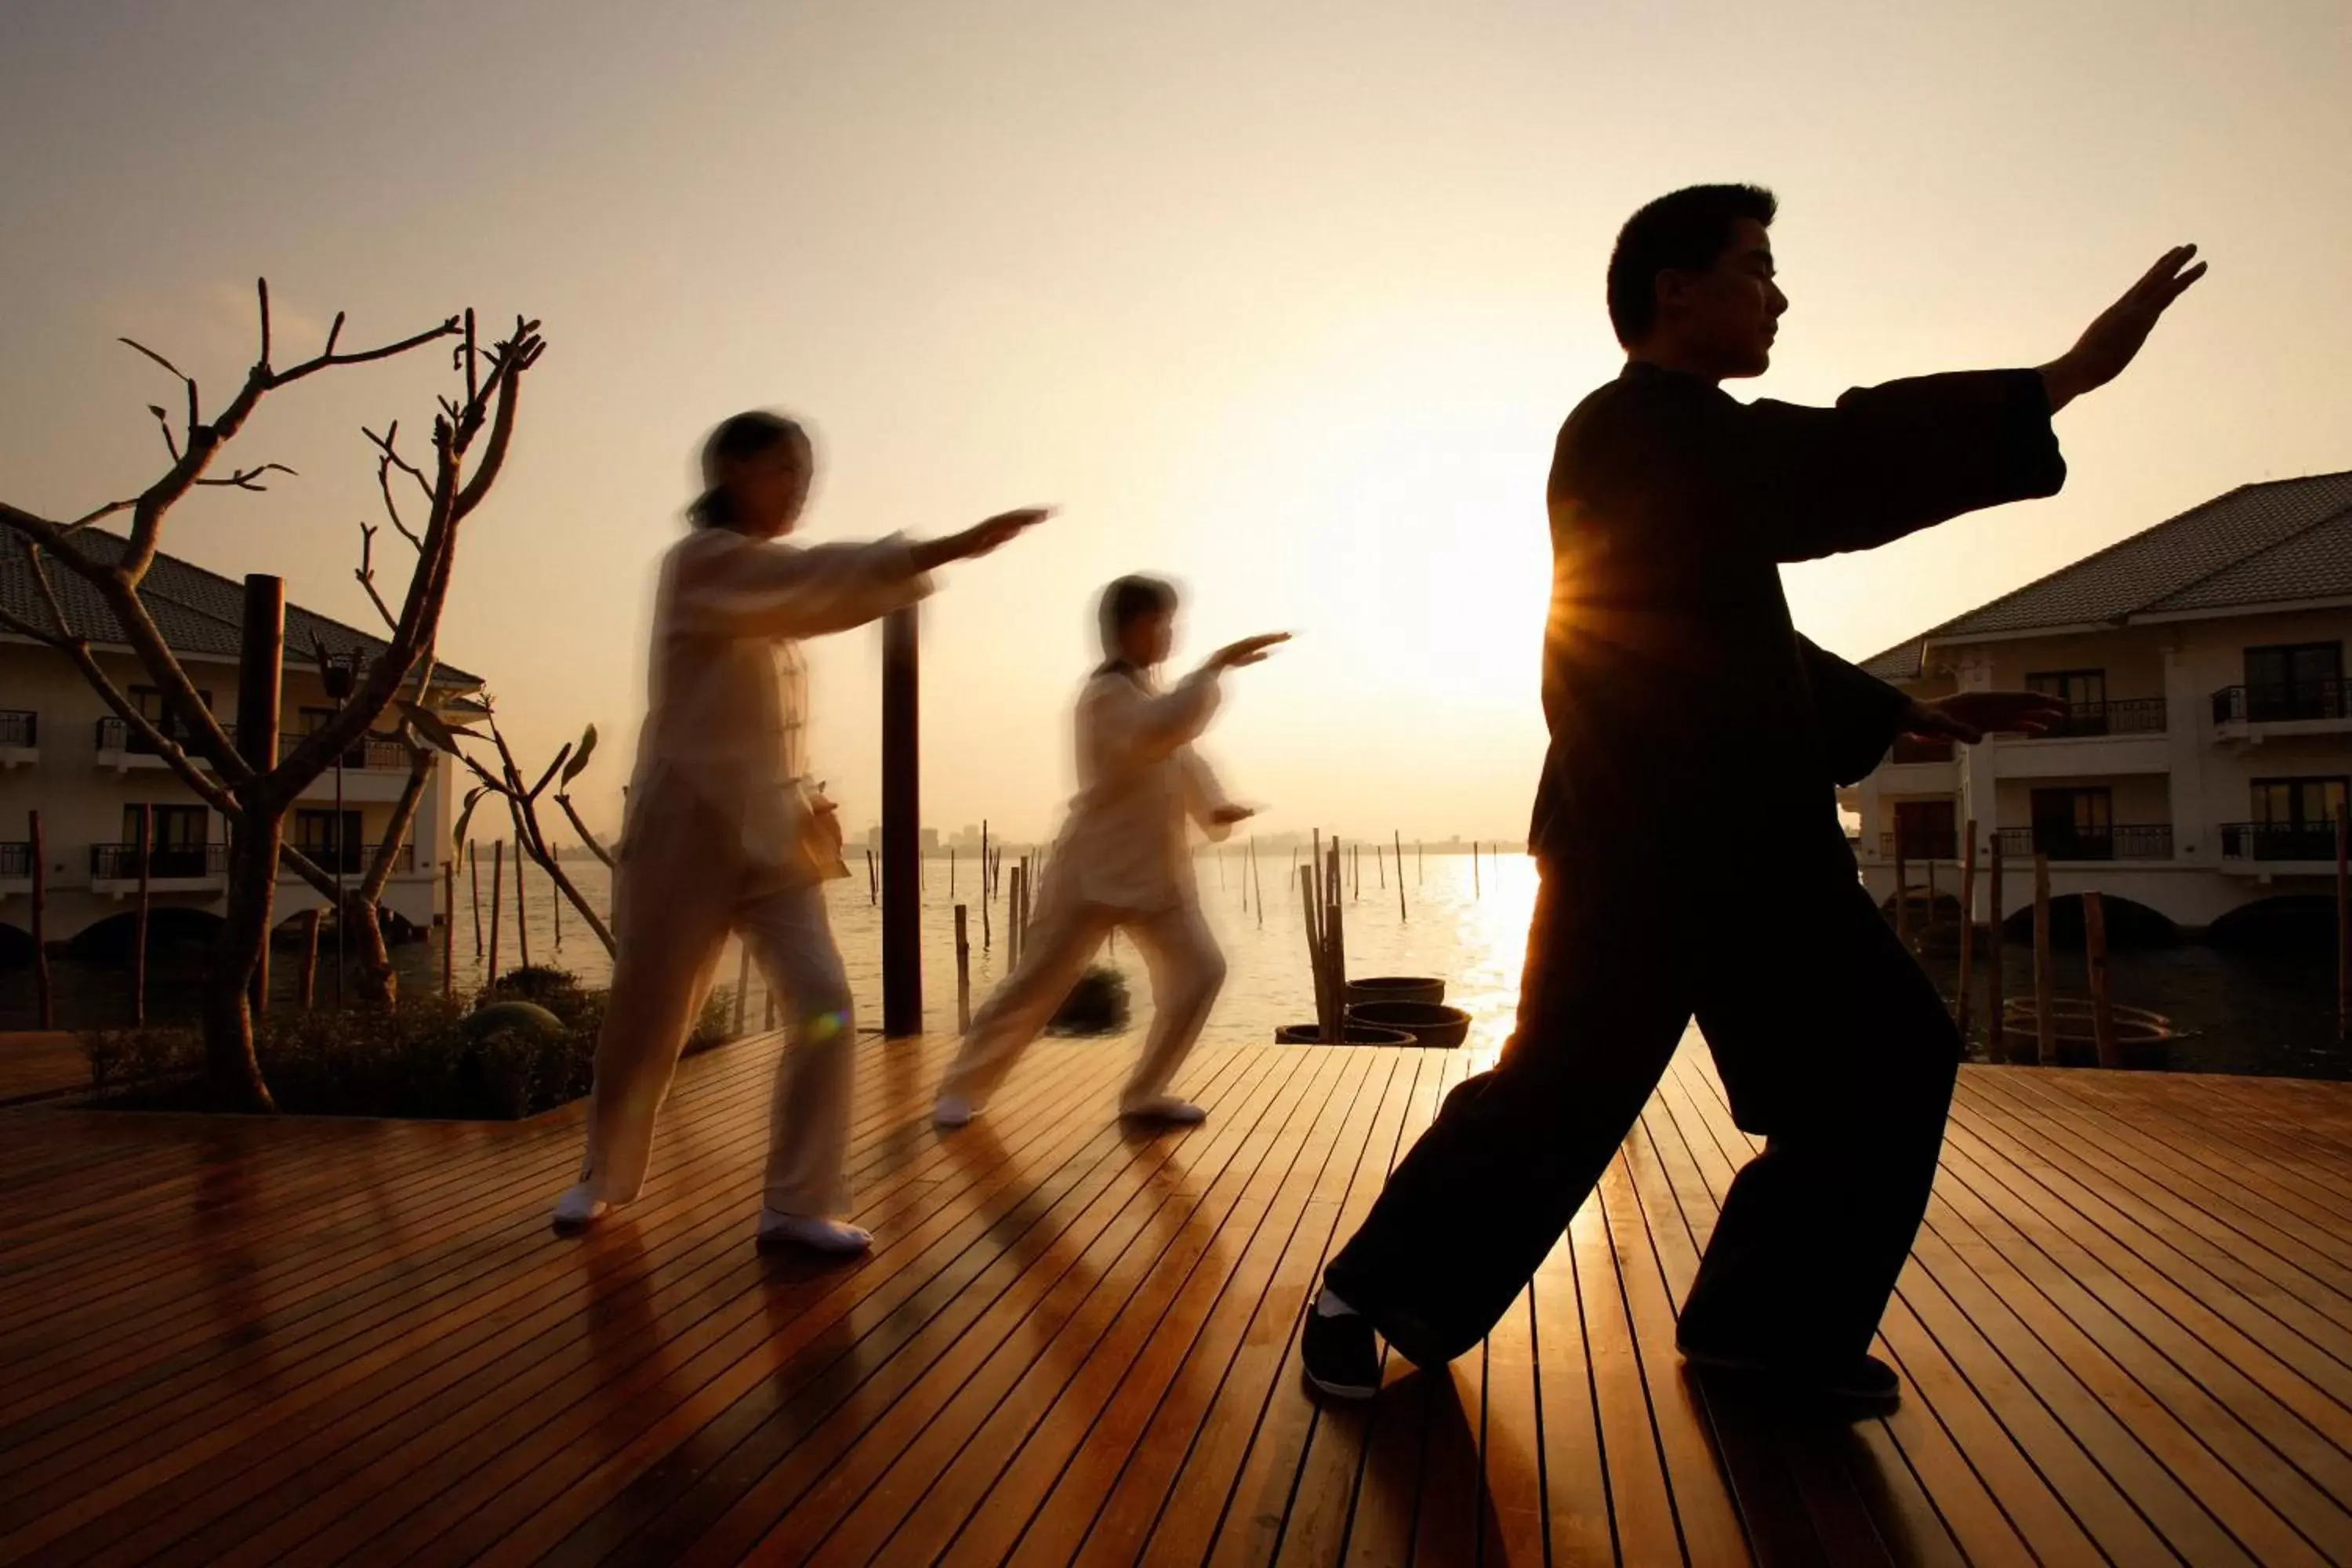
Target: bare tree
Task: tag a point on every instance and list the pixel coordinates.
(521, 799)
(190, 739)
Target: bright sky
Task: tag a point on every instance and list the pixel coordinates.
(1283, 300)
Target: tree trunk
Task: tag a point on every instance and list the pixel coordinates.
(232, 1076)
(377, 984)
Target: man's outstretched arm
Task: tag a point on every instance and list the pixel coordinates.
(1891, 459)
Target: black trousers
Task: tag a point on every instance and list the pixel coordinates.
(1832, 1044)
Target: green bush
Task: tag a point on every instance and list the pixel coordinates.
(430, 1057)
(1097, 1004)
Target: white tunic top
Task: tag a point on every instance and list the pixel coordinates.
(1139, 778)
(727, 710)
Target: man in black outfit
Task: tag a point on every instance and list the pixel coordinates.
(1688, 718)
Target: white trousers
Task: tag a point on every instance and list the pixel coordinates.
(681, 886)
(1187, 971)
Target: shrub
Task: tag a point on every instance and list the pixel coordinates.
(1097, 1004)
(528, 1045)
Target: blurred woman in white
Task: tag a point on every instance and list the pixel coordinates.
(1122, 860)
(723, 832)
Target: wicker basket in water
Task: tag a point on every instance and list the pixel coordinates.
(1397, 988)
(2140, 1035)
(1353, 1034)
(1431, 1023)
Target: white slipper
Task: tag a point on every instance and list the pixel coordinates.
(952, 1110)
(819, 1233)
(578, 1208)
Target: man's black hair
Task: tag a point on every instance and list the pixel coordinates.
(1684, 231)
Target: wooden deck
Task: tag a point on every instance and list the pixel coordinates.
(40, 1063)
(2126, 1332)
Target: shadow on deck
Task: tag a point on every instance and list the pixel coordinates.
(2126, 1332)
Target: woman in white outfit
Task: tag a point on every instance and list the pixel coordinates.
(1122, 860)
(723, 832)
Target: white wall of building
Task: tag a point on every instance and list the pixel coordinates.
(81, 792)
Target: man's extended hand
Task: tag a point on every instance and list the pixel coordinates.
(2112, 341)
(1249, 650)
(1226, 815)
(1968, 717)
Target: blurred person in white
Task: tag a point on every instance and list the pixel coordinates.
(724, 832)
(1122, 861)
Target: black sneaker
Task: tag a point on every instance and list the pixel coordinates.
(1339, 1356)
(1863, 1384)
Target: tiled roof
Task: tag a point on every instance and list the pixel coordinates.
(2261, 543)
(198, 612)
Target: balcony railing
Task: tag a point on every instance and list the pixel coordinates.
(20, 728)
(1921, 749)
(2277, 841)
(2132, 841)
(1922, 843)
(120, 862)
(117, 735)
(15, 861)
(356, 857)
(2325, 699)
(2121, 716)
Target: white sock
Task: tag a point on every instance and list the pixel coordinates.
(813, 1231)
(1329, 1305)
(951, 1110)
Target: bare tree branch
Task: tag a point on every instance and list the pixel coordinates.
(581, 828)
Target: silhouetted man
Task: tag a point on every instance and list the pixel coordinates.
(1696, 738)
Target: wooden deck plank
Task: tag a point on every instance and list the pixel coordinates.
(2126, 1332)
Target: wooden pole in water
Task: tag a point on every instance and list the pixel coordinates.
(1419, 861)
(139, 923)
(1398, 836)
(310, 977)
(2045, 979)
(1258, 878)
(2343, 925)
(2094, 958)
(743, 985)
(522, 908)
(1996, 1013)
(1314, 953)
(1013, 921)
(1902, 894)
(46, 1005)
(963, 973)
(449, 926)
(474, 872)
(873, 882)
(1928, 922)
(498, 900)
(1967, 932)
(1477, 888)
(902, 826)
(555, 902)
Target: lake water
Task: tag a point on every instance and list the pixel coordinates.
(2269, 1012)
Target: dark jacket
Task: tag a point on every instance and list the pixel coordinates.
(1689, 716)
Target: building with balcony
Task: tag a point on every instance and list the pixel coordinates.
(2208, 740)
(63, 753)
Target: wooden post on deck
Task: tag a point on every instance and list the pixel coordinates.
(2045, 979)
(138, 922)
(2094, 958)
(2343, 925)
(963, 973)
(1902, 894)
(310, 974)
(449, 926)
(1996, 1006)
(1967, 932)
(260, 687)
(46, 1006)
(498, 900)
(902, 847)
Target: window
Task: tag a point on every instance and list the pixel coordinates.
(182, 839)
(2298, 803)
(2084, 694)
(2074, 824)
(2294, 680)
(1927, 829)
(315, 836)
